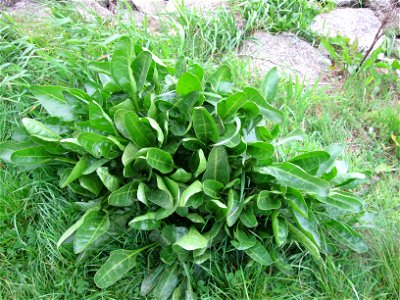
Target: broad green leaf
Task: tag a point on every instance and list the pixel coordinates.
(193, 144)
(124, 196)
(219, 204)
(121, 61)
(167, 283)
(167, 255)
(260, 150)
(293, 176)
(125, 105)
(212, 188)
(184, 104)
(111, 182)
(309, 225)
(200, 259)
(231, 137)
(181, 175)
(98, 145)
(52, 99)
(280, 229)
(334, 150)
(76, 172)
(234, 183)
(160, 160)
(99, 120)
(129, 154)
(95, 224)
(94, 164)
(248, 218)
(173, 188)
(151, 280)
(221, 80)
(160, 134)
(194, 202)
(230, 106)
(192, 240)
(117, 266)
(141, 192)
(31, 157)
(171, 233)
(234, 207)
(296, 201)
(269, 86)
(119, 121)
(188, 83)
(100, 67)
(266, 201)
(202, 166)
(197, 70)
(218, 165)
(259, 254)
(266, 109)
(310, 161)
(139, 132)
(75, 226)
(140, 68)
(244, 241)
(92, 183)
(148, 221)
(72, 144)
(161, 196)
(204, 125)
(344, 200)
(39, 130)
(194, 188)
(195, 218)
(295, 135)
(304, 240)
(9, 147)
(346, 236)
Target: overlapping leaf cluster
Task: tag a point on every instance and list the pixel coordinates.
(189, 158)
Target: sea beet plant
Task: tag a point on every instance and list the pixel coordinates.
(190, 159)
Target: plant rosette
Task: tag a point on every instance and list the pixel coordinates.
(192, 160)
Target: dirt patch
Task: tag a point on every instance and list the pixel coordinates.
(292, 55)
(356, 24)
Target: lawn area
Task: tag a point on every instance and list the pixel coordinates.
(360, 109)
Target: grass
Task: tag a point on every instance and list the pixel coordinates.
(34, 211)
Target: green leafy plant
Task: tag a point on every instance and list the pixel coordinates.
(278, 16)
(190, 159)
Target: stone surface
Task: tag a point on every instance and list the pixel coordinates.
(388, 9)
(159, 6)
(7, 3)
(380, 8)
(87, 7)
(35, 9)
(28, 9)
(292, 56)
(359, 24)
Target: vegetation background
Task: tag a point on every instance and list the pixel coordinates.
(362, 111)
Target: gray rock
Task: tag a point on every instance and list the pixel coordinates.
(87, 7)
(356, 24)
(7, 3)
(159, 6)
(104, 3)
(381, 8)
(292, 55)
(29, 10)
